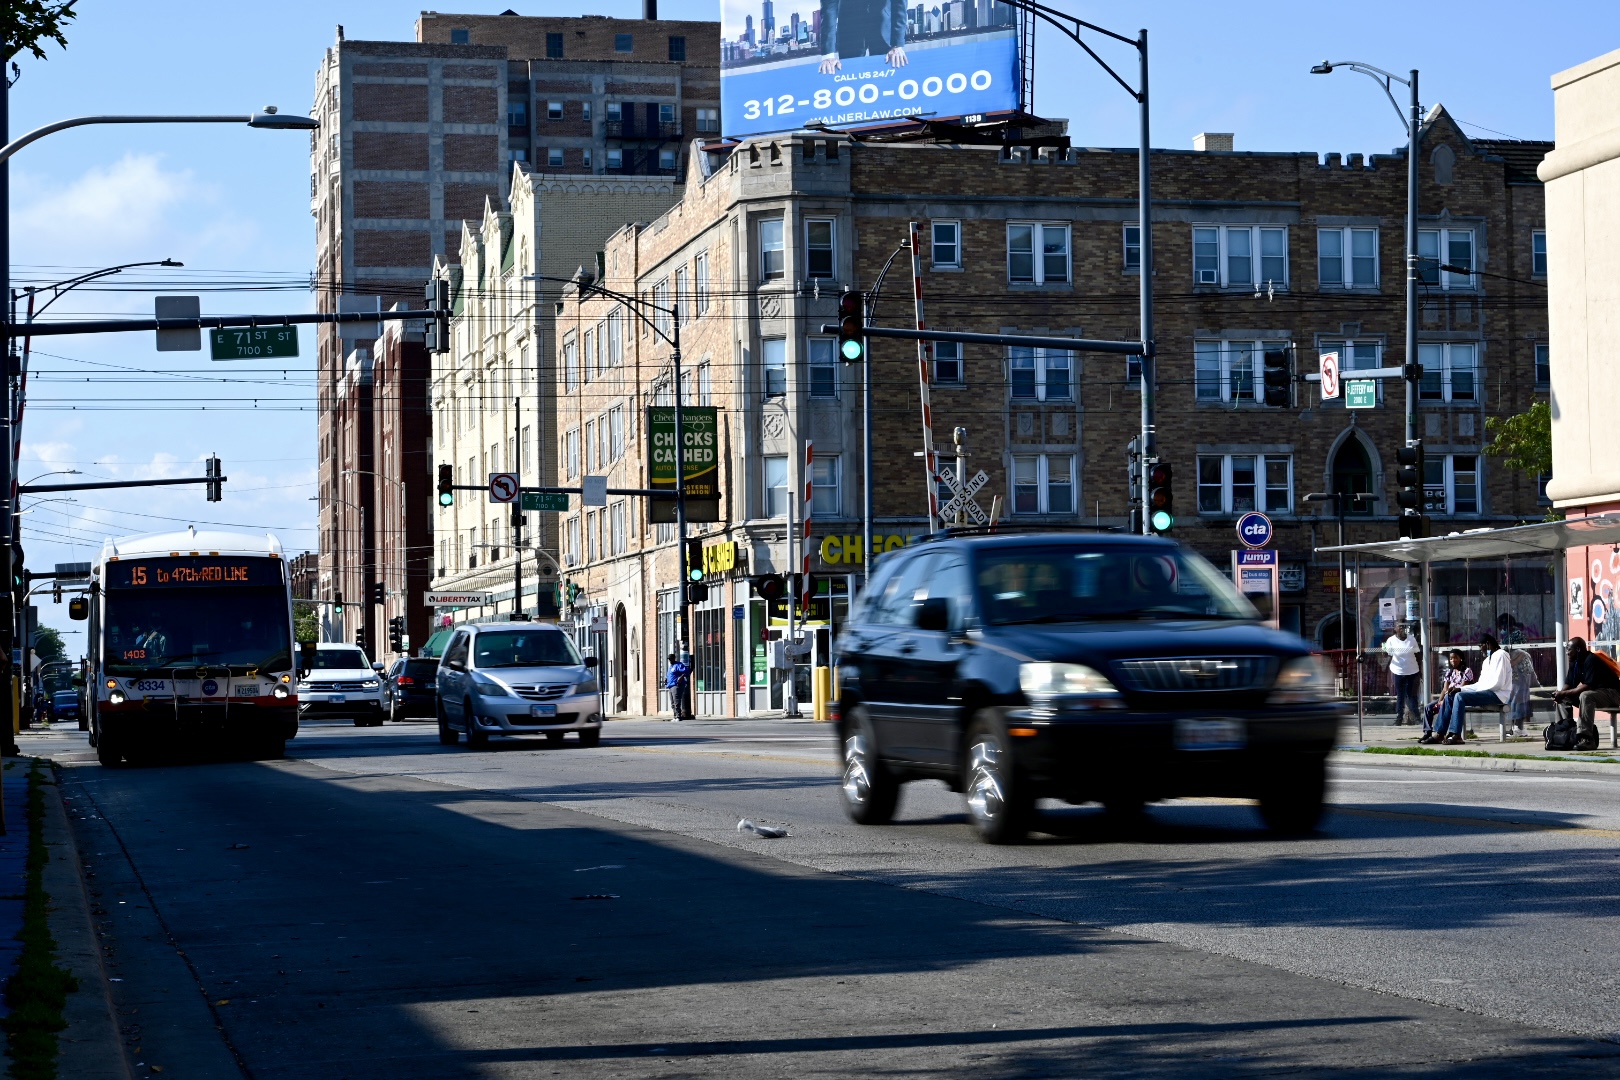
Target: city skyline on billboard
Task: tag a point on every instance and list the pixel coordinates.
(785, 64)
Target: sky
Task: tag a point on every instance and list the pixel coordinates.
(232, 203)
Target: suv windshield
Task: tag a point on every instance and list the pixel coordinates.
(340, 660)
(1071, 583)
(523, 648)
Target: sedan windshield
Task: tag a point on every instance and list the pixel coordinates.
(1076, 584)
(523, 648)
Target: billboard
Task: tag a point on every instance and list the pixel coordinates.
(702, 457)
(785, 64)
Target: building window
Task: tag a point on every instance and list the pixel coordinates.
(618, 535)
(585, 156)
(1542, 498)
(517, 153)
(1133, 249)
(700, 282)
(554, 110)
(1239, 483)
(554, 157)
(615, 111)
(776, 486)
(677, 48)
(661, 306)
(624, 43)
(1451, 484)
(1450, 371)
(823, 368)
(460, 36)
(1043, 484)
(1347, 258)
(947, 243)
(528, 453)
(570, 364)
(615, 426)
(666, 160)
(773, 366)
(517, 113)
(948, 362)
(593, 455)
(708, 121)
(705, 385)
(584, 110)
(554, 46)
(666, 113)
(772, 264)
(1538, 254)
(1449, 247)
(682, 313)
(1037, 254)
(615, 159)
(1041, 374)
(818, 248)
(1237, 256)
(1227, 371)
(1543, 367)
(825, 500)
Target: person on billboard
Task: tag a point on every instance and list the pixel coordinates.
(853, 28)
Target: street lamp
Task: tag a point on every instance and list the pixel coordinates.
(866, 420)
(57, 472)
(1413, 121)
(269, 118)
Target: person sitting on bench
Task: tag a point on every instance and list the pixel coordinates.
(1492, 690)
(1592, 684)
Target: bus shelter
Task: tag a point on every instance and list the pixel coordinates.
(1549, 540)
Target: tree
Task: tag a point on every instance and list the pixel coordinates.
(27, 24)
(48, 645)
(1524, 441)
(306, 621)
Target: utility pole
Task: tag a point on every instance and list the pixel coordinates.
(1150, 372)
(517, 511)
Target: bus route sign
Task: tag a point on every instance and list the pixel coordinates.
(254, 342)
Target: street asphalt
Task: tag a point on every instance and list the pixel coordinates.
(382, 906)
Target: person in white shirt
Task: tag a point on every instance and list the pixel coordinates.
(1402, 650)
(1493, 687)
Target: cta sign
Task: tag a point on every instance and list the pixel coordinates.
(1254, 530)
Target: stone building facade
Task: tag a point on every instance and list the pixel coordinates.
(1255, 252)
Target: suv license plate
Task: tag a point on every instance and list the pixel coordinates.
(1210, 735)
(337, 699)
(548, 711)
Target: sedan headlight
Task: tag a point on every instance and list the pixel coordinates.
(1075, 683)
(1306, 680)
(589, 686)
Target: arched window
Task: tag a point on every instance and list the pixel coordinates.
(1352, 475)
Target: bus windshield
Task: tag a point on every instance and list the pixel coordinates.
(151, 630)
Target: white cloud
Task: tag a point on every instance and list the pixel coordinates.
(110, 212)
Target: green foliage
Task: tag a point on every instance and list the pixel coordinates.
(48, 644)
(306, 621)
(27, 24)
(1523, 441)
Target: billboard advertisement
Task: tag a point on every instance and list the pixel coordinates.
(785, 64)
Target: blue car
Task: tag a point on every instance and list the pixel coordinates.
(65, 706)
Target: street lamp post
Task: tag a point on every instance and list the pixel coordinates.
(866, 420)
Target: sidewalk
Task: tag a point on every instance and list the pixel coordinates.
(13, 877)
(1380, 738)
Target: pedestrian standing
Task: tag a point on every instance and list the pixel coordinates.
(1402, 650)
(678, 680)
(1493, 687)
(1592, 684)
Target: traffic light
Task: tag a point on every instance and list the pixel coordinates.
(852, 326)
(396, 633)
(1278, 377)
(360, 638)
(447, 479)
(1161, 501)
(769, 586)
(337, 604)
(694, 560)
(437, 295)
(216, 478)
(1133, 473)
(1414, 523)
(56, 592)
(377, 593)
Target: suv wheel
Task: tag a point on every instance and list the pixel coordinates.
(869, 791)
(448, 736)
(477, 738)
(998, 799)
(1293, 800)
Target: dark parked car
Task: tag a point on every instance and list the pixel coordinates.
(411, 688)
(65, 706)
(1084, 667)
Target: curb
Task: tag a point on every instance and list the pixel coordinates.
(90, 1048)
(1484, 764)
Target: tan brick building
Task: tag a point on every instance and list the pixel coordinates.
(1254, 252)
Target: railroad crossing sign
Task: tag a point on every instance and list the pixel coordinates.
(503, 487)
(962, 501)
(1330, 376)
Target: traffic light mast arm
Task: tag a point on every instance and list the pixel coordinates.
(28, 489)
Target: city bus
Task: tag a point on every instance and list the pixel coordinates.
(190, 640)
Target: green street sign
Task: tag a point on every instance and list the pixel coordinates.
(254, 342)
(546, 502)
(1361, 394)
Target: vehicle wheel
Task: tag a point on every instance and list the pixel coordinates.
(84, 725)
(590, 737)
(554, 738)
(998, 799)
(448, 736)
(108, 752)
(1293, 803)
(378, 718)
(869, 790)
(477, 739)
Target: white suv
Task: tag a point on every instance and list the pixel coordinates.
(342, 682)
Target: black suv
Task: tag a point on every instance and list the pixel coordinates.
(1084, 667)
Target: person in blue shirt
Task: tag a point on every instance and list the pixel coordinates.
(678, 681)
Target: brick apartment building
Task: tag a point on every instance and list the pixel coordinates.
(1254, 251)
(416, 137)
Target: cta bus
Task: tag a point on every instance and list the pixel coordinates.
(191, 638)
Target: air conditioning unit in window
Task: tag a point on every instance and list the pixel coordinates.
(569, 559)
(1207, 277)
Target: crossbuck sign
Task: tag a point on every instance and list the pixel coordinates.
(962, 501)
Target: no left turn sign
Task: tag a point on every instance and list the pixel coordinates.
(503, 487)
(1330, 376)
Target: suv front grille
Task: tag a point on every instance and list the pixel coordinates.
(540, 691)
(336, 687)
(1197, 673)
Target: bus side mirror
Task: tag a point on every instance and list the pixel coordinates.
(78, 609)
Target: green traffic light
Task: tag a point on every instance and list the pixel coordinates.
(695, 574)
(446, 498)
(851, 350)
(1162, 520)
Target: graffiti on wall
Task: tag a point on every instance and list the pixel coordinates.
(1605, 573)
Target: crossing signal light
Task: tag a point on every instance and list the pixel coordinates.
(852, 326)
(1414, 523)
(377, 593)
(769, 586)
(447, 480)
(360, 639)
(1278, 379)
(215, 472)
(694, 560)
(437, 296)
(1161, 500)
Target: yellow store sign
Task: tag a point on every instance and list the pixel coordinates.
(719, 558)
(846, 550)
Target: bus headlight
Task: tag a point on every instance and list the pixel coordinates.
(281, 692)
(116, 697)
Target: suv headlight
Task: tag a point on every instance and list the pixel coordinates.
(369, 684)
(1305, 680)
(1071, 684)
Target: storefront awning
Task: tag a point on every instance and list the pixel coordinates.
(1516, 541)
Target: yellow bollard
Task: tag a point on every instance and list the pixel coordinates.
(821, 692)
